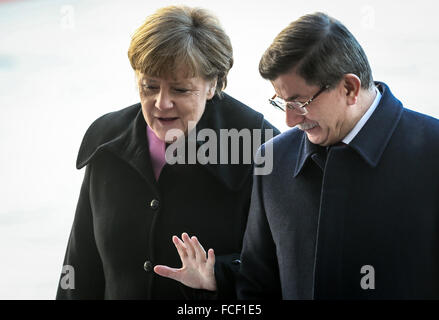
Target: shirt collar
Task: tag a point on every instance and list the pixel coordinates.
(351, 135)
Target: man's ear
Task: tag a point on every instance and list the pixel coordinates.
(212, 89)
(351, 87)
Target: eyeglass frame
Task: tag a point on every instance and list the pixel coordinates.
(301, 110)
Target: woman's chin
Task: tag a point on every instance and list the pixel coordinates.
(169, 135)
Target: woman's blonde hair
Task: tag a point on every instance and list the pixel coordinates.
(180, 38)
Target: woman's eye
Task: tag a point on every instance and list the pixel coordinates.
(146, 89)
(150, 87)
(180, 90)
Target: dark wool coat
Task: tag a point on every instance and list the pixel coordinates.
(316, 233)
(125, 219)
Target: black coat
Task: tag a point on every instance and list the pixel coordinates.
(125, 219)
(313, 225)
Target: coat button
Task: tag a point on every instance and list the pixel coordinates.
(148, 266)
(236, 262)
(154, 204)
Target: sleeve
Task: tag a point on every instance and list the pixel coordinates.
(226, 272)
(259, 271)
(82, 274)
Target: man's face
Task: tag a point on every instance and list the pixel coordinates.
(326, 120)
(170, 103)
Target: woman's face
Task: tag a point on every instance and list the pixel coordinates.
(170, 103)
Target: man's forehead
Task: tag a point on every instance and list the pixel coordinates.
(290, 88)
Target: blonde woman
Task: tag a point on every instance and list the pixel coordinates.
(133, 200)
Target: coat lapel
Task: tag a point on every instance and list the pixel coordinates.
(132, 147)
(227, 113)
(373, 138)
(129, 143)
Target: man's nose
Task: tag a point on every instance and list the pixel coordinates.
(164, 100)
(292, 118)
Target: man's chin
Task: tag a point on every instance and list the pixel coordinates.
(313, 139)
(314, 136)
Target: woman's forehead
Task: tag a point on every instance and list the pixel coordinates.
(180, 74)
(169, 68)
(169, 78)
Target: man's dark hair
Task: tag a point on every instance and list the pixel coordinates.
(321, 49)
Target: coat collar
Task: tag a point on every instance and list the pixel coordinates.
(227, 113)
(123, 133)
(372, 139)
(128, 140)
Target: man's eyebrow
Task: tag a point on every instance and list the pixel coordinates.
(293, 97)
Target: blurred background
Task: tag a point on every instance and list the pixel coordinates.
(64, 63)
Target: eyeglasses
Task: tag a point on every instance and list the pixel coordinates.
(296, 106)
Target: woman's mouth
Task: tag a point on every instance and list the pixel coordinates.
(166, 120)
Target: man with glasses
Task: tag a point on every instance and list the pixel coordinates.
(351, 209)
(297, 106)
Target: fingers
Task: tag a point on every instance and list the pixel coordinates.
(191, 248)
(167, 272)
(189, 245)
(210, 263)
(181, 248)
(186, 248)
(199, 250)
(194, 249)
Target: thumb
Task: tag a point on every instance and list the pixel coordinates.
(167, 272)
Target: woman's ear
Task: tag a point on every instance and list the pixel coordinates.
(212, 89)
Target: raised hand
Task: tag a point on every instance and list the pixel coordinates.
(197, 271)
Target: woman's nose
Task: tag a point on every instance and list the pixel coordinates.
(164, 100)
